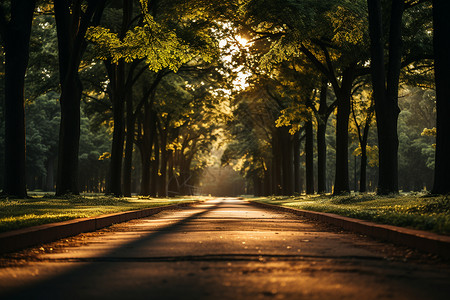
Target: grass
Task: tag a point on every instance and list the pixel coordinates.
(406, 210)
(42, 209)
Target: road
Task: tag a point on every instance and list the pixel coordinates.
(222, 249)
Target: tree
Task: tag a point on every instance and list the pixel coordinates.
(161, 41)
(441, 26)
(322, 114)
(121, 92)
(15, 35)
(330, 35)
(402, 51)
(362, 113)
(72, 22)
(385, 89)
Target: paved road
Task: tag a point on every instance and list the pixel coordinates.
(220, 249)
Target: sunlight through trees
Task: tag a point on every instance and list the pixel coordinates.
(146, 97)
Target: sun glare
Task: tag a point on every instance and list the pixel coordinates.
(242, 41)
(233, 45)
(241, 82)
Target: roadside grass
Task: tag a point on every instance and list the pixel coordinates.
(43, 208)
(411, 210)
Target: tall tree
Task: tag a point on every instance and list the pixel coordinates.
(385, 89)
(441, 26)
(72, 21)
(322, 114)
(121, 91)
(15, 34)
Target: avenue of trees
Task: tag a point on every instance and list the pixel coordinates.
(134, 96)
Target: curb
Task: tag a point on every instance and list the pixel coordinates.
(419, 239)
(22, 238)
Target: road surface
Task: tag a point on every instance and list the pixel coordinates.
(222, 249)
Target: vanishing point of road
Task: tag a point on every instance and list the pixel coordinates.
(223, 248)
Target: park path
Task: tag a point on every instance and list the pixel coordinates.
(220, 249)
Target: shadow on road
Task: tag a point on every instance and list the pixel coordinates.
(73, 283)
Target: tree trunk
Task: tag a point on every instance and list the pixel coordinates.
(309, 157)
(363, 170)
(385, 91)
(162, 193)
(321, 159)
(128, 161)
(297, 175)
(268, 182)
(276, 163)
(173, 189)
(154, 174)
(287, 162)
(115, 182)
(341, 180)
(119, 98)
(149, 130)
(321, 139)
(441, 25)
(17, 41)
(69, 136)
(71, 27)
(145, 171)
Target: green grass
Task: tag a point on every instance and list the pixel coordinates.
(42, 209)
(405, 210)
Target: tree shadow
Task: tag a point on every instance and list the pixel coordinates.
(114, 274)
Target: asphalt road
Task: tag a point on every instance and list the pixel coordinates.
(222, 249)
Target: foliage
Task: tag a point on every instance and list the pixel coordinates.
(43, 70)
(42, 123)
(157, 43)
(291, 25)
(418, 113)
(250, 131)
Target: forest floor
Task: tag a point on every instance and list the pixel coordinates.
(44, 208)
(418, 211)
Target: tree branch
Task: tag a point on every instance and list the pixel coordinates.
(319, 65)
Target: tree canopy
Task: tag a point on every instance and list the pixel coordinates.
(137, 96)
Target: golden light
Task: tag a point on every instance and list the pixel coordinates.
(242, 41)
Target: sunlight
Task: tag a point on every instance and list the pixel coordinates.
(241, 83)
(233, 45)
(242, 41)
